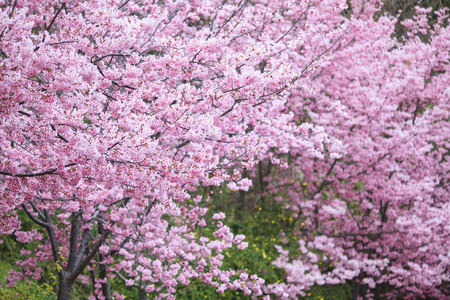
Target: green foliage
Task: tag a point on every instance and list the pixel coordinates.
(43, 289)
(330, 292)
(359, 186)
(10, 253)
(27, 291)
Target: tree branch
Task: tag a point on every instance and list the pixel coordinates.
(51, 171)
(74, 233)
(84, 245)
(38, 211)
(56, 15)
(50, 230)
(33, 218)
(89, 256)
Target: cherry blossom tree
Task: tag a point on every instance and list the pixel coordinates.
(113, 113)
(377, 214)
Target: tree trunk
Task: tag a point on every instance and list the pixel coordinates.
(359, 289)
(64, 289)
(106, 287)
(142, 294)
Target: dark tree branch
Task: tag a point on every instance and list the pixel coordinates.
(110, 55)
(326, 182)
(38, 211)
(182, 144)
(125, 3)
(117, 143)
(74, 233)
(56, 15)
(62, 138)
(82, 265)
(416, 111)
(123, 86)
(12, 11)
(59, 43)
(106, 288)
(50, 230)
(48, 172)
(293, 25)
(51, 171)
(83, 246)
(33, 218)
(24, 113)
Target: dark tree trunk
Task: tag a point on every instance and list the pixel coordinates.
(142, 294)
(81, 251)
(64, 288)
(359, 289)
(356, 289)
(106, 287)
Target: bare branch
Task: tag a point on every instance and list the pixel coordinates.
(48, 172)
(50, 230)
(82, 265)
(56, 15)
